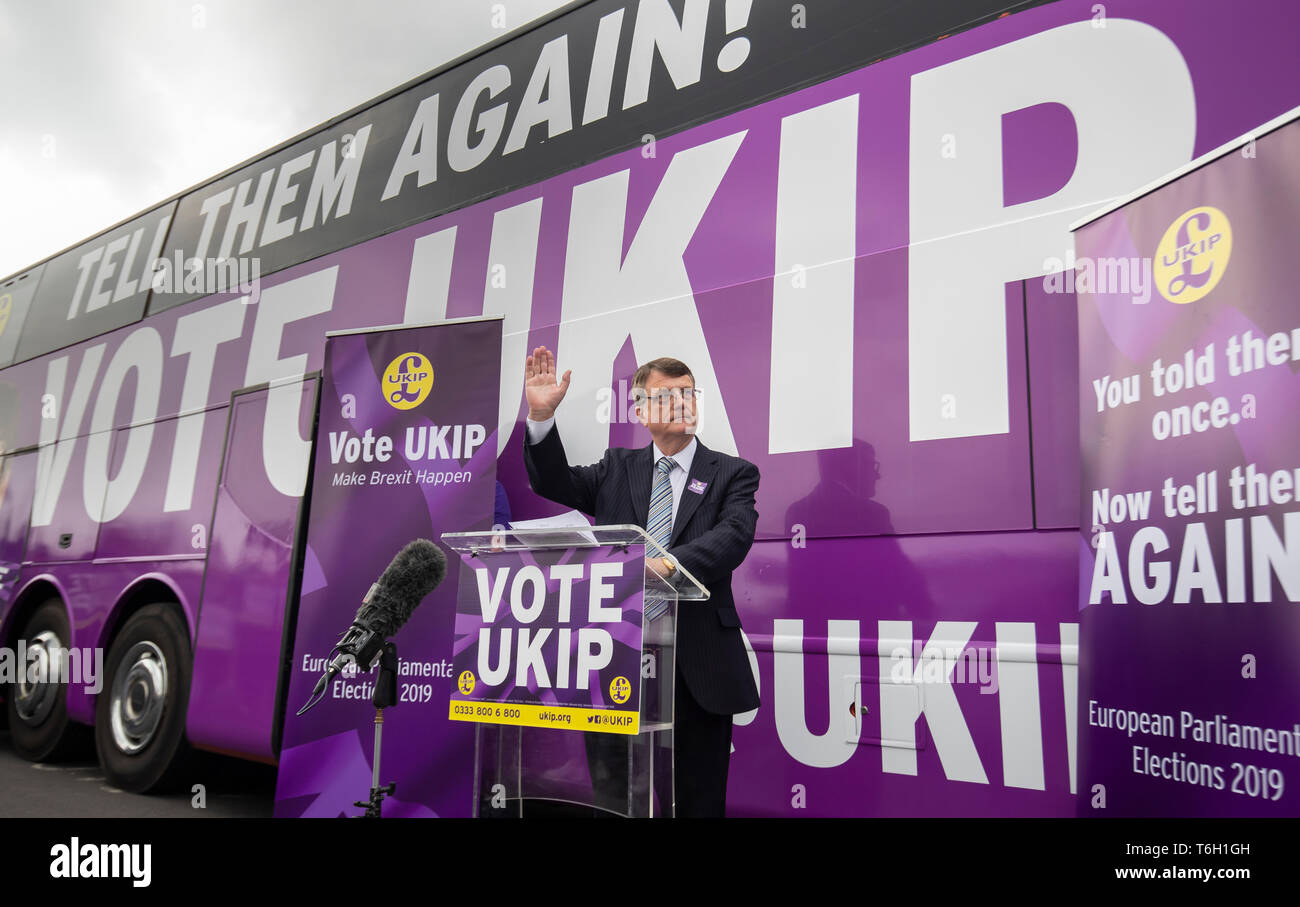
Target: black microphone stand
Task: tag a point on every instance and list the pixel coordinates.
(385, 696)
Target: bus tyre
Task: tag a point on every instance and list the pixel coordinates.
(140, 712)
(38, 710)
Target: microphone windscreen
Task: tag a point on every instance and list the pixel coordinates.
(414, 573)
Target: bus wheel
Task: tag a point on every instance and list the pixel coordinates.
(37, 708)
(140, 712)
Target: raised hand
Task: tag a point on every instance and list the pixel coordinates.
(541, 390)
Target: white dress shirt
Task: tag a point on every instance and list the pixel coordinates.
(677, 478)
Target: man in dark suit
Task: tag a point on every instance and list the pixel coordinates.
(700, 504)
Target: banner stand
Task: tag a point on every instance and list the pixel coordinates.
(1189, 352)
(405, 449)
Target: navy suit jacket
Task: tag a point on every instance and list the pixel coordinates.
(711, 535)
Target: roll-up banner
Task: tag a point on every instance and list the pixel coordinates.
(405, 449)
(1189, 343)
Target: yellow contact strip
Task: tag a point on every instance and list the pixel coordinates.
(601, 721)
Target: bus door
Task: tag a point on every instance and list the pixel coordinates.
(17, 487)
(250, 586)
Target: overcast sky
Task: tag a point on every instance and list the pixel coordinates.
(110, 106)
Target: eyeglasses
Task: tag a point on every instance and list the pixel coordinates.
(667, 395)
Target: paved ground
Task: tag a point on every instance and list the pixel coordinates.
(233, 788)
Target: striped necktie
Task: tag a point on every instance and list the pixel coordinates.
(659, 523)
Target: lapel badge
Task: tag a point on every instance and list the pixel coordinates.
(697, 486)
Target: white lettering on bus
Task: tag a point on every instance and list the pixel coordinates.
(812, 291)
(107, 498)
(197, 336)
(964, 245)
(58, 438)
(599, 280)
(333, 184)
(920, 692)
(285, 452)
(130, 280)
(550, 78)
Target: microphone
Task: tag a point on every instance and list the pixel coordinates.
(413, 574)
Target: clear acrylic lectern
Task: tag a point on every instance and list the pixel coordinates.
(535, 771)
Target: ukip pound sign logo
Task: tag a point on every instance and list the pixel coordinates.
(1193, 255)
(407, 381)
(620, 689)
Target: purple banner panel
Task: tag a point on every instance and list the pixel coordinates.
(405, 449)
(1189, 385)
(551, 638)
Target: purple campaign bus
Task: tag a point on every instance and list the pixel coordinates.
(838, 214)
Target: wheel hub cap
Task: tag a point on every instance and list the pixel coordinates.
(139, 691)
(37, 694)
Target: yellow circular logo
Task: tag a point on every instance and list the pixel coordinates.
(466, 682)
(1193, 254)
(620, 690)
(407, 381)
